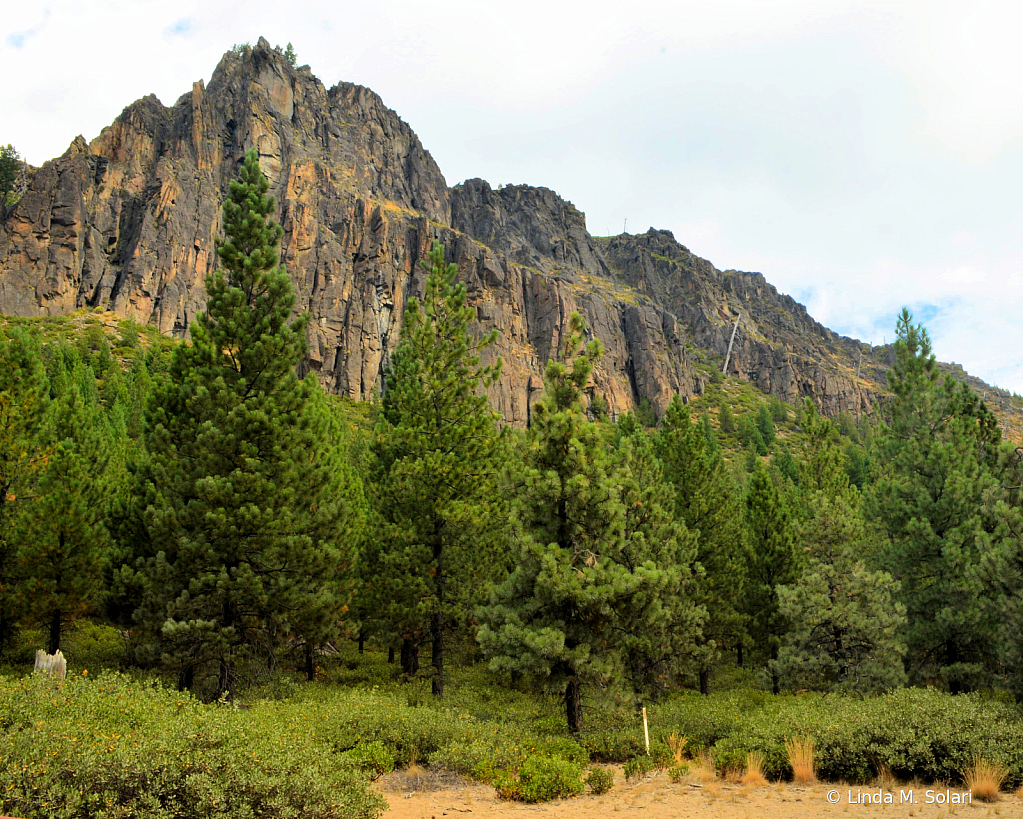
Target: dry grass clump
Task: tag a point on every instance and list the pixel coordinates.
(984, 778)
(703, 768)
(800, 753)
(754, 775)
(677, 744)
(885, 777)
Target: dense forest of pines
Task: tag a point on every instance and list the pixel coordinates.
(227, 515)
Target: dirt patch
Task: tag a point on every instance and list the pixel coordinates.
(655, 796)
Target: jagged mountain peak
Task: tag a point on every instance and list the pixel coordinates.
(128, 223)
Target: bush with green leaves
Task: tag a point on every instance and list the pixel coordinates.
(677, 772)
(611, 745)
(118, 747)
(916, 733)
(371, 758)
(600, 780)
(639, 766)
(541, 779)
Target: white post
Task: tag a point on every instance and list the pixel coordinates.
(646, 732)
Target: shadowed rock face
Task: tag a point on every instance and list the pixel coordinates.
(129, 222)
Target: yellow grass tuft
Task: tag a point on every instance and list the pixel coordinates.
(801, 759)
(984, 778)
(703, 768)
(677, 744)
(885, 777)
(754, 776)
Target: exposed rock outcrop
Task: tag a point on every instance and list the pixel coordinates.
(129, 222)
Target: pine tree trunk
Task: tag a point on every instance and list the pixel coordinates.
(775, 680)
(437, 621)
(574, 705)
(390, 655)
(54, 645)
(310, 665)
(186, 678)
(705, 682)
(362, 641)
(225, 683)
(739, 657)
(409, 657)
(6, 630)
(955, 685)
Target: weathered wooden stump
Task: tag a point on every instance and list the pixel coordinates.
(54, 665)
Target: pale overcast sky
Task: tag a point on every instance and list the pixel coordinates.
(861, 155)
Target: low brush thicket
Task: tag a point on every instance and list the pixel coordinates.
(117, 746)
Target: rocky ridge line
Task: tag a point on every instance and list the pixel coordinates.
(128, 223)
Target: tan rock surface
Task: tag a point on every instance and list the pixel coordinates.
(129, 223)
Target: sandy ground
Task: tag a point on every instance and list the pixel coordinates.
(422, 796)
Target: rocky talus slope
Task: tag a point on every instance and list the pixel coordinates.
(128, 222)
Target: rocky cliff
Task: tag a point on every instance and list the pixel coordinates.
(128, 223)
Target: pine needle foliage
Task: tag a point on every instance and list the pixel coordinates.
(933, 481)
(438, 455)
(707, 501)
(845, 623)
(243, 523)
(557, 616)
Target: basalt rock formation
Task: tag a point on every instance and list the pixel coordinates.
(129, 223)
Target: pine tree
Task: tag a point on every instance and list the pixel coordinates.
(242, 526)
(24, 405)
(661, 630)
(555, 616)
(765, 425)
(771, 561)
(706, 501)
(438, 453)
(751, 436)
(845, 626)
(933, 467)
(11, 167)
(60, 532)
(726, 420)
(778, 409)
(713, 447)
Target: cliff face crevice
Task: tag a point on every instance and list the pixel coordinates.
(129, 223)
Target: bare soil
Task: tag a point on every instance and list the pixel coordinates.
(422, 794)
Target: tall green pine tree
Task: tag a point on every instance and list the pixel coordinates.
(438, 453)
(556, 617)
(241, 518)
(707, 501)
(771, 561)
(933, 477)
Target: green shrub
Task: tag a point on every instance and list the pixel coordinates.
(371, 758)
(563, 748)
(639, 766)
(917, 733)
(118, 747)
(600, 780)
(541, 779)
(677, 772)
(612, 746)
(479, 759)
